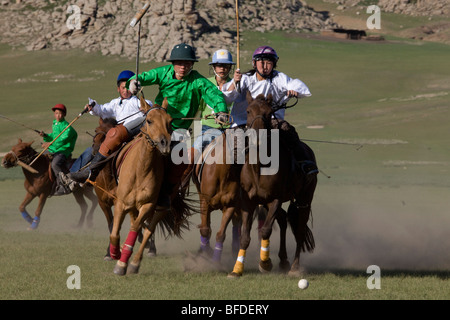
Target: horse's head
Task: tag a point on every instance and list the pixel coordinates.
(158, 125)
(21, 152)
(259, 111)
(100, 132)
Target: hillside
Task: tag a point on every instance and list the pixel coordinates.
(206, 24)
(104, 25)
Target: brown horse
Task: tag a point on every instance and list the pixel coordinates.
(141, 173)
(287, 183)
(40, 184)
(217, 182)
(106, 184)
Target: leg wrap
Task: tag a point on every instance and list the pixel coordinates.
(217, 255)
(127, 249)
(35, 223)
(239, 265)
(27, 217)
(204, 242)
(114, 252)
(265, 250)
(114, 139)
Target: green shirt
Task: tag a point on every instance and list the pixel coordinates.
(205, 109)
(65, 142)
(183, 95)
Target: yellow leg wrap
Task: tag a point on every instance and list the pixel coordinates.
(239, 265)
(265, 250)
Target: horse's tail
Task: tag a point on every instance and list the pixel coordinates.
(176, 220)
(298, 217)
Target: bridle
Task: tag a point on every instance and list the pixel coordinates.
(25, 159)
(146, 135)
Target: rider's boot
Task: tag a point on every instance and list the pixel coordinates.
(114, 139)
(90, 172)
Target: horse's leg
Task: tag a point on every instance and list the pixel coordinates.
(109, 220)
(236, 233)
(149, 230)
(220, 236)
(205, 226)
(247, 219)
(261, 211)
(136, 225)
(282, 253)
(23, 207)
(78, 194)
(37, 218)
(265, 263)
(114, 237)
(89, 193)
(152, 246)
(298, 215)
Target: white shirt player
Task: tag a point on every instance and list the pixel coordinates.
(278, 85)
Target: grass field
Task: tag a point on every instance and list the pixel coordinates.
(384, 204)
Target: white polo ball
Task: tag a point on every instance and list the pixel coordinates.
(303, 284)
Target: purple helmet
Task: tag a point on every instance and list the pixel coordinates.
(265, 52)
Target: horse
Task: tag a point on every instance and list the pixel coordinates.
(217, 183)
(142, 168)
(41, 184)
(106, 184)
(287, 183)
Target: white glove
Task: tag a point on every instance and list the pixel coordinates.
(92, 103)
(135, 86)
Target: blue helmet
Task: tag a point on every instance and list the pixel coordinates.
(124, 76)
(222, 56)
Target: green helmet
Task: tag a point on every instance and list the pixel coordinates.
(184, 52)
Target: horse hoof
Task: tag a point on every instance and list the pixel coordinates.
(120, 269)
(265, 266)
(151, 253)
(133, 269)
(234, 275)
(107, 258)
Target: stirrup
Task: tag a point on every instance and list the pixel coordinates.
(80, 176)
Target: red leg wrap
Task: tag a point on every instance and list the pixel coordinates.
(114, 252)
(127, 249)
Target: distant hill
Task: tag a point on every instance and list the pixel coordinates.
(104, 25)
(205, 24)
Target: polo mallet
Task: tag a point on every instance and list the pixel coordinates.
(137, 20)
(238, 84)
(20, 124)
(69, 125)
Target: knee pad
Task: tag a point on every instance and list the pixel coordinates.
(114, 139)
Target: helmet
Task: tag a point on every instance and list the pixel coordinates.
(184, 52)
(61, 107)
(124, 76)
(222, 56)
(265, 52)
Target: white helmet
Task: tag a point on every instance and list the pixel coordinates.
(222, 56)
